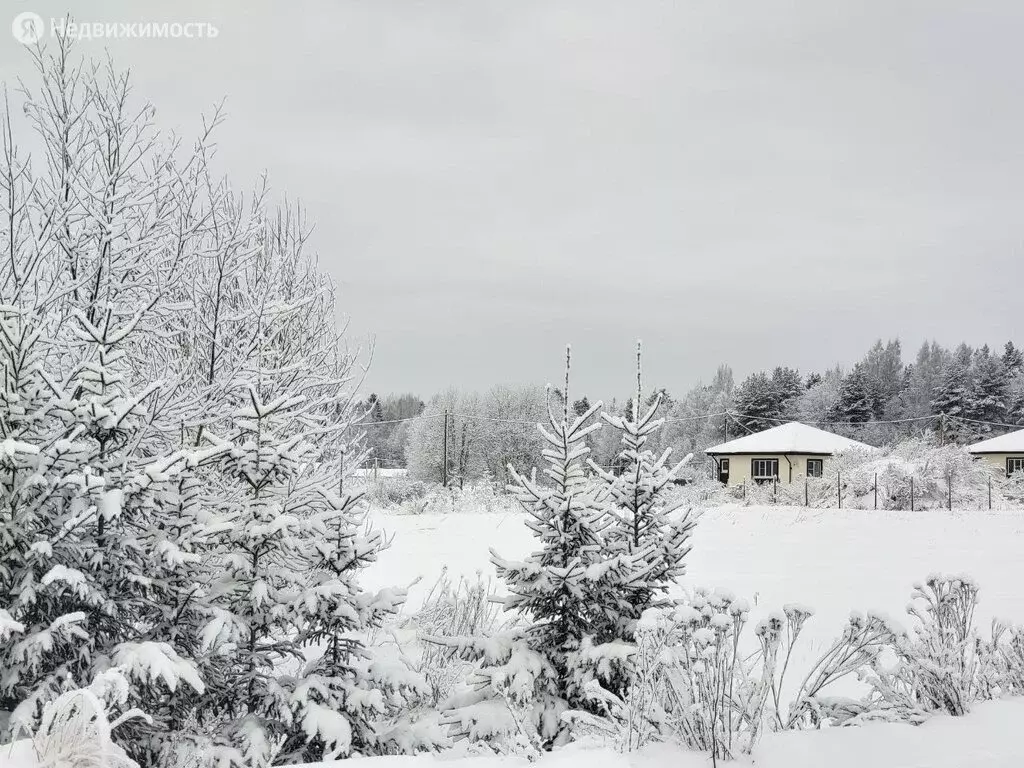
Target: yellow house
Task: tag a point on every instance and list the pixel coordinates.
(787, 453)
(1005, 451)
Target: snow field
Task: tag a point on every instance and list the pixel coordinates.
(833, 561)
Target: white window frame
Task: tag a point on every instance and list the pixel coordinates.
(819, 463)
(767, 464)
(1014, 464)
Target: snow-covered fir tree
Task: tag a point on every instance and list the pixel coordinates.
(956, 397)
(855, 401)
(570, 592)
(104, 564)
(645, 522)
(1013, 359)
(648, 527)
(991, 392)
(292, 556)
(757, 403)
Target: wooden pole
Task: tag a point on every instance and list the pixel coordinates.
(949, 491)
(444, 459)
(876, 490)
(911, 494)
(839, 488)
(990, 493)
(376, 469)
(807, 494)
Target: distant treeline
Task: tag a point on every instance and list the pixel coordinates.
(963, 393)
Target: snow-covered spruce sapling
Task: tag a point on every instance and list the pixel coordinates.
(645, 520)
(569, 592)
(293, 553)
(97, 564)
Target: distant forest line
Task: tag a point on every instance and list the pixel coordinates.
(959, 394)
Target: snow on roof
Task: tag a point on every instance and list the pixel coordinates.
(793, 437)
(1011, 442)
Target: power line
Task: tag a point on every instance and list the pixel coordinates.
(734, 415)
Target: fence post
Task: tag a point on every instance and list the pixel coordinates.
(949, 491)
(376, 469)
(990, 493)
(911, 493)
(876, 490)
(807, 495)
(839, 488)
(744, 490)
(444, 453)
(775, 490)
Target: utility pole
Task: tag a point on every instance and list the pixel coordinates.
(444, 460)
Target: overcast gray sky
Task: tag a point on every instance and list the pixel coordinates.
(748, 182)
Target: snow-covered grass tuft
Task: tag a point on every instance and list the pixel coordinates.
(451, 609)
(75, 731)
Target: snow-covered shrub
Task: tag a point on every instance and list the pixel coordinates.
(452, 609)
(700, 490)
(939, 473)
(688, 681)
(403, 496)
(1003, 662)
(863, 642)
(694, 680)
(389, 493)
(940, 664)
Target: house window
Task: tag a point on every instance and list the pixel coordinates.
(815, 467)
(764, 470)
(723, 471)
(1014, 464)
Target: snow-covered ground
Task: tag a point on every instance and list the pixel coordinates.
(834, 561)
(984, 739)
(987, 738)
